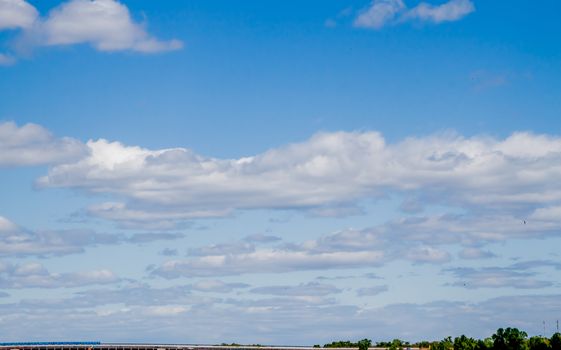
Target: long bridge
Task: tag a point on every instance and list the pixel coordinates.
(125, 346)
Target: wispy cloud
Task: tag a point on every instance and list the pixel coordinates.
(301, 290)
(497, 277)
(475, 253)
(419, 240)
(174, 313)
(450, 11)
(35, 275)
(384, 12)
(371, 291)
(7, 60)
(16, 241)
(379, 13)
(265, 261)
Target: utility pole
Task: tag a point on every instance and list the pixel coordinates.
(557, 326)
(544, 329)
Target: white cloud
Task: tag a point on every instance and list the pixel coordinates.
(552, 213)
(379, 13)
(330, 171)
(420, 240)
(6, 225)
(32, 144)
(105, 24)
(384, 12)
(452, 10)
(126, 314)
(265, 261)
(16, 14)
(35, 275)
(165, 311)
(149, 218)
(18, 241)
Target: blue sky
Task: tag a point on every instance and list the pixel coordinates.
(278, 172)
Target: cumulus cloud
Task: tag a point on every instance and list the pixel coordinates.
(32, 144)
(170, 186)
(106, 25)
(383, 12)
(35, 275)
(16, 14)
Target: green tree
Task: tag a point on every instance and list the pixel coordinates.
(509, 339)
(485, 344)
(538, 343)
(397, 344)
(341, 344)
(555, 341)
(444, 344)
(464, 343)
(364, 344)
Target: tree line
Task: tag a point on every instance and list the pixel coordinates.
(503, 339)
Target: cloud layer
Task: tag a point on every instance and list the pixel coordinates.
(328, 174)
(16, 241)
(174, 314)
(35, 275)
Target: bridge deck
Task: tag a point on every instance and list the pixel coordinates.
(121, 346)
